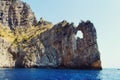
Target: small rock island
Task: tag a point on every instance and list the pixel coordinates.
(27, 43)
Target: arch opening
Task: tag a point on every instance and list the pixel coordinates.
(79, 34)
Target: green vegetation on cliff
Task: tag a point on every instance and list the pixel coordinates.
(22, 34)
(6, 33)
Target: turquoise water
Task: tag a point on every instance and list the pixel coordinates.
(59, 74)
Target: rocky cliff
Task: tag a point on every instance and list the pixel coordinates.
(26, 43)
(15, 13)
(6, 58)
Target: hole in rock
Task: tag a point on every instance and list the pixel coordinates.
(79, 34)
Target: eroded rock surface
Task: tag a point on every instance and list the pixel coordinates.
(6, 58)
(15, 13)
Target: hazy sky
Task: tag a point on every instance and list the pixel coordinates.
(105, 14)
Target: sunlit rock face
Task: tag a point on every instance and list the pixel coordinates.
(6, 58)
(14, 13)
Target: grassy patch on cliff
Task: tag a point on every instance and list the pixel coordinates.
(22, 33)
(26, 34)
(6, 33)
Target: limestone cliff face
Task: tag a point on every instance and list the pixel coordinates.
(6, 58)
(44, 45)
(15, 13)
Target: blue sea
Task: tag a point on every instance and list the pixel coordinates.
(59, 74)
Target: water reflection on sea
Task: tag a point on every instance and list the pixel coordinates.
(59, 74)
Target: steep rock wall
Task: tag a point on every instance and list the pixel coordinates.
(15, 13)
(6, 58)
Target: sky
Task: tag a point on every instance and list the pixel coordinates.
(104, 14)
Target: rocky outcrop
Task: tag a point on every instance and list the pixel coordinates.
(6, 58)
(44, 45)
(15, 13)
(59, 48)
(63, 49)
